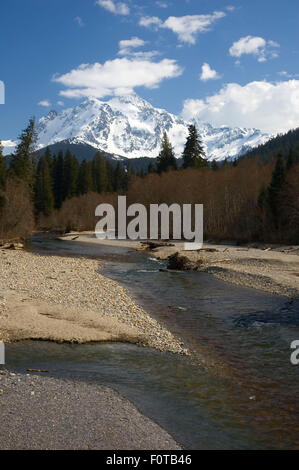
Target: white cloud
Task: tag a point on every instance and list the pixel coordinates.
(286, 74)
(271, 107)
(8, 143)
(120, 75)
(118, 8)
(149, 21)
(186, 27)
(45, 103)
(79, 21)
(145, 54)
(161, 4)
(256, 46)
(208, 74)
(126, 45)
(60, 103)
(8, 146)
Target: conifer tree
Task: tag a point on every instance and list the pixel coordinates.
(100, 174)
(23, 160)
(58, 180)
(44, 198)
(194, 154)
(110, 177)
(262, 197)
(120, 178)
(3, 176)
(84, 178)
(70, 172)
(151, 168)
(291, 160)
(48, 157)
(214, 165)
(3, 170)
(166, 158)
(278, 179)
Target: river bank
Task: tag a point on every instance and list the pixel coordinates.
(67, 299)
(268, 268)
(237, 391)
(90, 417)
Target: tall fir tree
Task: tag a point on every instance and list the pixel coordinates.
(120, 178)
(44, 198)
(151, 168)
(23, 160)
(277, 182)
(100, 174)
(194, 154)
(70, 173)
(3, 170)
(58, 179)
(3, 176)
(48, 157)
(166, 159)
(110, 177)
(291, 159)
(85, 183)
(214, 165)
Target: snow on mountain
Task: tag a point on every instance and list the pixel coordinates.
(8, 146)
(131, 127)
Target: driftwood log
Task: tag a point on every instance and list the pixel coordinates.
(152, 245)
(182, 263)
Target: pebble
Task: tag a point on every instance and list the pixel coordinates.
(77, 282)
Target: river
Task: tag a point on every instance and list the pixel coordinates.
(238, 390)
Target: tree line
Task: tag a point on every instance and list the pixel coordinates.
(51, 179)
(248, 199)
(193, 155)
(285, 144)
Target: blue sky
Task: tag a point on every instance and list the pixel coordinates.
(233, 62)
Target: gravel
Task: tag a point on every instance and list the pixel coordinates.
(47, 413)
(77, 283)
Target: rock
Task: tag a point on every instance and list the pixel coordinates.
(12, 246)
(153, 245)
(182, 263)
(209, 250)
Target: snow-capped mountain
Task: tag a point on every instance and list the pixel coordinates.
(131, 127)
(8, 146)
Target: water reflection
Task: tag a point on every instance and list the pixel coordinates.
(239, 389)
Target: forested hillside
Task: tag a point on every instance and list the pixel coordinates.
(248, 199)
(285, 144)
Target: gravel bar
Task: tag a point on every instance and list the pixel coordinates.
(71, 283)
(45, 413)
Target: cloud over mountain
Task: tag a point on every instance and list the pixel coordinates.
(116, 76)
(271, 107)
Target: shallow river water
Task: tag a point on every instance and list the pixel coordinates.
(237, 391)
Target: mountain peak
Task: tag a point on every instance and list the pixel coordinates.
(129, 126)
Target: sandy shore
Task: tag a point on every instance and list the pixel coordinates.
(269, 268)
(67, 299)
(90, 417)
